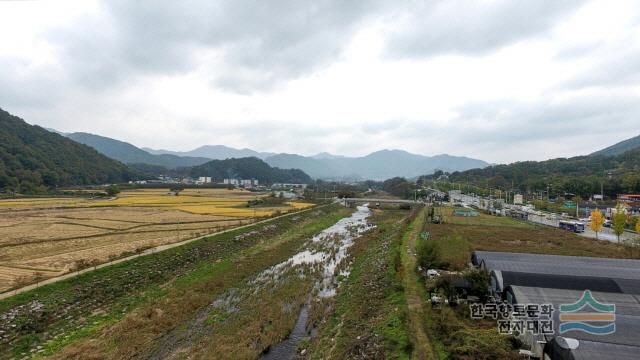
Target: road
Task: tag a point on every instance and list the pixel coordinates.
(607, 234)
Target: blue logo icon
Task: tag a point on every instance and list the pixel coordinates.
(573, 318)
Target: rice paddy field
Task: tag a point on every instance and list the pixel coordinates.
(45, 237)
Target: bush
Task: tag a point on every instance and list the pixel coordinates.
(428, 255)
(112, 190)
(479, 281)
(449, 253)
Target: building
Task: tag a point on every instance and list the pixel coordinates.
(629, 198)
(245, 183)
(518, 199)
(288, 186)
(203, 180)
(523, 279)
(557, 264)
(235, 182)
(579, 345)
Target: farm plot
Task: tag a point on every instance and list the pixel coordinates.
(42, 237)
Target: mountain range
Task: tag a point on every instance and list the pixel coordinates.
(379, 165)
(213, 152)
(129, 154)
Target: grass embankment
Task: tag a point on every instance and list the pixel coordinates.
(482, 219)
(414, 290)
(367, 318)
(53, 317)
(491, 233)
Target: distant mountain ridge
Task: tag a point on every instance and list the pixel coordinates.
(33, 159)
(130, 154)
(380, 165)
(619, 148)
(214, 152)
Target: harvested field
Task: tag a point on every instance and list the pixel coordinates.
(46, 237)
(492, 233)
(84, 316)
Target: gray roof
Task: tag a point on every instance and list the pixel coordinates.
(627, 312)
(502, 279)
(559, 265)
(590, 350)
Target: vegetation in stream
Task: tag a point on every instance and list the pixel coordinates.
(367, 317)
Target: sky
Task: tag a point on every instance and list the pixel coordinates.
(500, 81)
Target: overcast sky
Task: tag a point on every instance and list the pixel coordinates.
(497, 80)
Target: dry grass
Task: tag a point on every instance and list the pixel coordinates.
(54, 235)
(530, 239)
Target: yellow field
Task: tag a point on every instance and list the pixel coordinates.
(45, 237)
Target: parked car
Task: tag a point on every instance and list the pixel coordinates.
(607, 223)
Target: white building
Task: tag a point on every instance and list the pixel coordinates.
(246, 183)
(203, 180)
(518, 199)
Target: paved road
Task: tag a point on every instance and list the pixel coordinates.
(607, 234)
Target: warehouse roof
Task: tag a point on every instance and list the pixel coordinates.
(558, 265)
(502, 279)
(591, 350)
(627, 312)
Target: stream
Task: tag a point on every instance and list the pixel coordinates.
(321, 255)
(332, 246)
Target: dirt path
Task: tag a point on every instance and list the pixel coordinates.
(144, 253)
(422, 345)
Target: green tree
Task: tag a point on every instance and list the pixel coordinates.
(112, 190)
(619, 221)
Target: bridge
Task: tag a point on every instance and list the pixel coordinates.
(373, 201)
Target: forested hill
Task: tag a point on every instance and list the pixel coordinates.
(33, 159)
(580, 175)
(621, 147)
(247, 168)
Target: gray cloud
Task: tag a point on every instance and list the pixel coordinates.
(619, 69)
(545, 128)
(23, 87)
(259, 42)
(254, 45)
(462, 27)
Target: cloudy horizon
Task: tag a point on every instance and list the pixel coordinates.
(500, 81)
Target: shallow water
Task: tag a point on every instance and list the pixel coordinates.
(288, 348)
(319, 259)
(330, 249)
